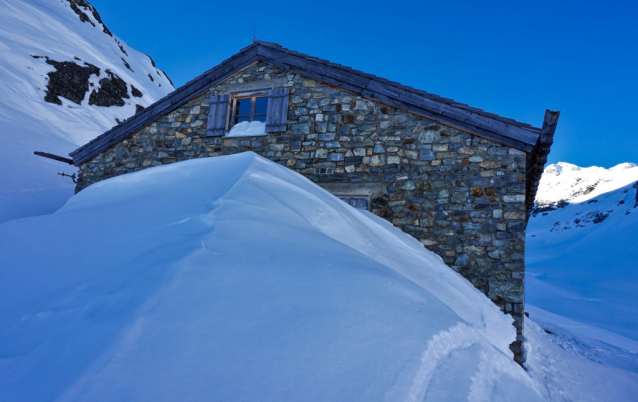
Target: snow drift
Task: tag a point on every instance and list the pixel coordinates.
(51, 51)
(236, 278)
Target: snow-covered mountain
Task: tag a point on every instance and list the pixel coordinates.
(64, 79)
(582, 246)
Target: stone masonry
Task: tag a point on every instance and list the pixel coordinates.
(461, 195)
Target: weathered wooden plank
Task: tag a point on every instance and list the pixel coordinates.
(54, 157)
(217, 115)
(351, 78)
(549, 127)
(277, 110)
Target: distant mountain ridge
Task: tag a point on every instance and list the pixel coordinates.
(565, 184)
(64, 79)
(582, 246)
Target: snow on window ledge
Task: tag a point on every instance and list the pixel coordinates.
(246, 129)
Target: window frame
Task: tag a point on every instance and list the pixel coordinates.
(355, 196)
(252, 95)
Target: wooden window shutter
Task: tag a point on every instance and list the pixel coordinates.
(277, 110)
(217, 116)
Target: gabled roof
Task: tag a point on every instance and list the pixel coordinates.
(489, 125)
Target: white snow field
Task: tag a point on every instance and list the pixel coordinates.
(234, 278)
(575, 368)
(582, 272)
(582, 248)
(50, 28)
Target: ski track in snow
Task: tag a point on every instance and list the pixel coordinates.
(439, 347)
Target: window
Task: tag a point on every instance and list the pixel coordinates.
(359, 202)
(250, 108)
(248, 114)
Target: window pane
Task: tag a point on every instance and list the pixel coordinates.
(260, 118)
(240, 119)
(243, 107)
(357, 202)
(361, 203)
(261, 105)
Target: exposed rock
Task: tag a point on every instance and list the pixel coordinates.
(121, 48)
(69, 80)
(138, 108)
(136, 92)
(75, 6)
(112, 91)
(151, 77)
(151, 59)
(545, 208)
(600, 216)
(126, 64)
(167, 77)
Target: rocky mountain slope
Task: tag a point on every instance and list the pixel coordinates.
(64, 79)
(582, 246)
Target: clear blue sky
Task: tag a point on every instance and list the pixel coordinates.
(512, 58)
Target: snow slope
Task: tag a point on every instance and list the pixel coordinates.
(51, 28)
(582, 246)
(234, 278)
(571, 368)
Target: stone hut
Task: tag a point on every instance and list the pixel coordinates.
(459, 179)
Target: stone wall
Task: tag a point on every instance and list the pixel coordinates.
(461, 195)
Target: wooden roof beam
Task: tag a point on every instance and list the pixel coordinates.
(539, 157)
